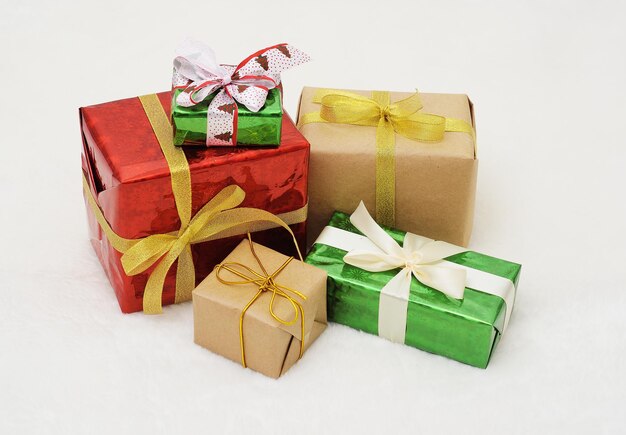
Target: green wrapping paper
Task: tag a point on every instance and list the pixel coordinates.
(466, 330)
(260, 128)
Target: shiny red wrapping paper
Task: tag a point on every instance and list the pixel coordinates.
(130, 179)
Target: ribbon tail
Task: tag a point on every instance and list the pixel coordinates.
(449, 280)
(145, 253)
(185, 275)
(270, 62)
(393, 306)
(362, 220)
(153, 292)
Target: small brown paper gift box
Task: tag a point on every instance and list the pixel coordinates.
(435, 181)
(269, 346)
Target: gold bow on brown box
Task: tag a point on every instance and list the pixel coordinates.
(260, 308)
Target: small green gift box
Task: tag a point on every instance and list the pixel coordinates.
(428, 294)
(252, 128)
(228, 105)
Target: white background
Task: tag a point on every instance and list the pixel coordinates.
(548, 84)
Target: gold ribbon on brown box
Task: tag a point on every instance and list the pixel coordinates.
(220, 217)
(402, 117)
(265, 282)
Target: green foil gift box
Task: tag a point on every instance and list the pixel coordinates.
(225, 105)
(427, 294)
(260, 128)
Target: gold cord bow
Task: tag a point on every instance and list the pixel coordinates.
(218, 216)
(265, 282)
(402, 117)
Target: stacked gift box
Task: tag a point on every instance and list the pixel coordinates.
(211, 192)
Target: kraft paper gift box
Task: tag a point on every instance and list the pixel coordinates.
(269, 345)
(435, 177)
(129, 187)
(225, 105)
(434, 296)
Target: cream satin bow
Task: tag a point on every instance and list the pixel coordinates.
(419, 257)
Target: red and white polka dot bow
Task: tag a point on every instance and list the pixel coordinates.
(197, 72)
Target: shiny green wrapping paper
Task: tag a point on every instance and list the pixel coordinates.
(467, 330)
(260, 128)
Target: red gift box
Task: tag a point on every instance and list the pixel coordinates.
(130, 180)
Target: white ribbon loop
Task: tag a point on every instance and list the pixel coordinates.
(198, 73)
(362, 220)
(196, 61)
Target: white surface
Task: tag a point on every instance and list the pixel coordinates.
(548, 84)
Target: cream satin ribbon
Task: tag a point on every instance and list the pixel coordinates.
(419, 257)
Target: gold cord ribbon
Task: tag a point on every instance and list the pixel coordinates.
(221, 217)
(402, 117)
(266, 283)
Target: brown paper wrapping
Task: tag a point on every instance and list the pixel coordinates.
(435, 182)
(271, 347)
